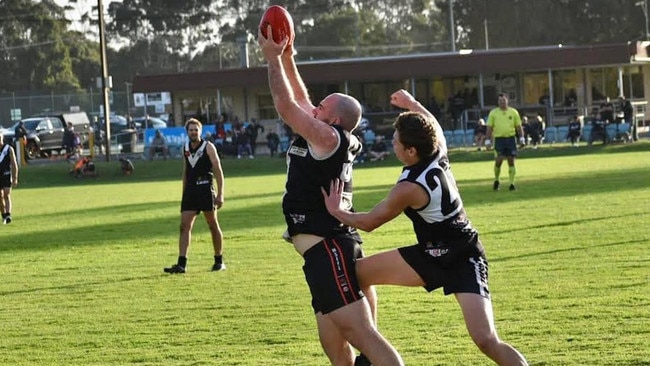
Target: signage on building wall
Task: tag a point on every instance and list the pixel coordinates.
(152, 99)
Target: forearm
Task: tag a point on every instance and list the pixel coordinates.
(520, 131)
(218, 176)
(358, 220)
(279, 85)
(415, 106)
(297, 85)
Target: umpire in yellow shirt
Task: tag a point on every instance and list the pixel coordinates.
(504, 125)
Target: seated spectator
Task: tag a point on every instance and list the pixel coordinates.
(158, 145)
(126, 166)
(575, 130)
(598, 129)
(378, 150)
(479, 134)
(273, 141)
(84, 167)
(243, 138)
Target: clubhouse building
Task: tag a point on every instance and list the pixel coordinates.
(556, 81)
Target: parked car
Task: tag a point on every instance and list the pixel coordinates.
(118, 124)
(45, 132)
(151, 122)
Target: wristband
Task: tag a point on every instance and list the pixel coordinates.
(488, 142)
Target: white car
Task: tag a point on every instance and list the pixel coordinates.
(151, 122)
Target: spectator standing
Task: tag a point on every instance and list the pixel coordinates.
(254, 128)
(8, 178)
(272, 142)
(20, 132)
(20, 136)
(525, 125)
(625, 106)
(504, 125)
(100, 135)
(536, 129)
(607, 111)
(479, 133)
(68, 141)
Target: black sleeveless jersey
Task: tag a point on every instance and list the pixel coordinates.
(198, 168)
(306, 174)
(5, 160)
(443, 218)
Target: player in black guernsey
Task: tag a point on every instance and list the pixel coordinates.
(8, 178)
(449, 253)
(324, 150)
(201, 166)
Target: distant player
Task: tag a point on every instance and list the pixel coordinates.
(504, 125)
(201, 166)
(8, 178)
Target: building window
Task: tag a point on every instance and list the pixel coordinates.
(265, 107)
(604, 83)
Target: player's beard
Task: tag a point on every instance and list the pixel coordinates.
(194, 138)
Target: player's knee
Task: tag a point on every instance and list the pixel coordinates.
(486, 341)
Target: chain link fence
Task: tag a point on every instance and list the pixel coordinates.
(34, 103)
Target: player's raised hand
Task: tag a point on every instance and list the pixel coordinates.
(402, 99)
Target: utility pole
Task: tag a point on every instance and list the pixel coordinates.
(105, 81)
(128, 98)
(452, 32)
(644, 5)
(485, 25)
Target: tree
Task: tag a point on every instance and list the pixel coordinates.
(523, 23)
(182, 25)
(32, 36)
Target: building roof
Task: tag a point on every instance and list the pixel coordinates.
(395, 68)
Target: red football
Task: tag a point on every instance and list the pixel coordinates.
(280, 21)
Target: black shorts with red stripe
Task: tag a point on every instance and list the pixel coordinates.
(331, 275)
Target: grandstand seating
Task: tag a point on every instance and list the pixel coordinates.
(561, 133)
(550, 135)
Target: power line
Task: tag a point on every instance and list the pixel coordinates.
(29, 45)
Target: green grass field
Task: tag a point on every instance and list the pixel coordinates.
(82, 281)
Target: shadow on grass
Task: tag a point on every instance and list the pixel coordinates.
(74, 286)
(560, 224)
(55, 174)
(548, 151)
(479, 191)
(536, 254)
(233, 221)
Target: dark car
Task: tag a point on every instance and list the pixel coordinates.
(45, 132)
